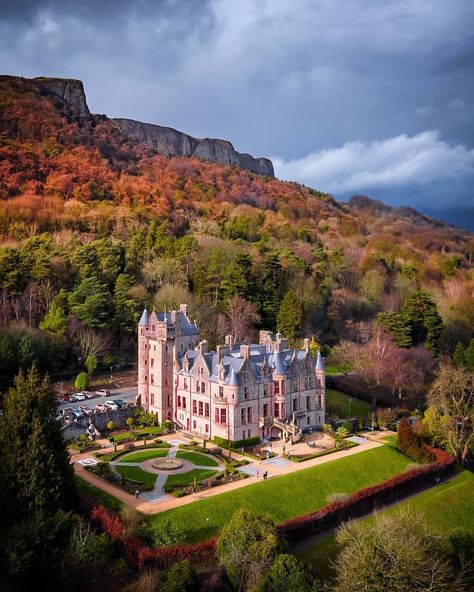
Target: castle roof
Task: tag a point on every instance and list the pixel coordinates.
(232, 379)
(278, 365)
(319, 362)
(144, 319)
(187, 327)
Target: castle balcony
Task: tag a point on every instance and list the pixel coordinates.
(219, 399)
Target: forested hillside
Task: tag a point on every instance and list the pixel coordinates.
(93, 226)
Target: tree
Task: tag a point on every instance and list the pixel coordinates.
(36, 481)
(91, 343)
(393, 552)
(287, 574)
(168, 534)
(180, 577)
(247, 546)
(90, 303)
(459, 356)
(451, 409)
(236, 279)
(126, 308)
(397, 324)
(426, 325)
(272, 289)
(470, 356)
(242, 316)
(82, 381)
(90, 364)
(55, 320)
(290, 317)
(341, 357)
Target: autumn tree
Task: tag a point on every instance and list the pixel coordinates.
(451, 409)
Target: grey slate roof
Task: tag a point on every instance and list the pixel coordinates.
(319, 362)
(143, 322)
(232, 379)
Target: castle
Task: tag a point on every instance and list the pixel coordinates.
(235, 393)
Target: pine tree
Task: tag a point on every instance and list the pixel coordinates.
(236, 279)
(290, 316)
(425, 322)
(272, 290)
(127, 310)
(459, 356)
(470, 356)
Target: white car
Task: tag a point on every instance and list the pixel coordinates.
(111, 405)
(78, 397)
(102, 393)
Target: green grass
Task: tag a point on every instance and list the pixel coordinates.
(188, 478)
(109, 501)
(143, 455)
(446, 507)
(331, 370)
(289, 495)
(197, 458)
(337, 404)
(137, 475)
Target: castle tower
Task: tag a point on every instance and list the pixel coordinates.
(143, 355)
(320, 385)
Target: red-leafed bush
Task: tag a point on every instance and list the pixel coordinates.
(199, 554)
(366, 500)
(108, 523)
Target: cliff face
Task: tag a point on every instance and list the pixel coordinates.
(170, 142)
(163, 140)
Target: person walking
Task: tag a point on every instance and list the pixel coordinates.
(137, 494)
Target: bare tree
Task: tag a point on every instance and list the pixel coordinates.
(243, 316)
(91, 343)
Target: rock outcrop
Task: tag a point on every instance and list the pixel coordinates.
(170, 142)
(163, 140)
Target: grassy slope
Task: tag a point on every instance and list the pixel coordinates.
(337, 404)
(290, 495)
(197, 458)
(446, 507)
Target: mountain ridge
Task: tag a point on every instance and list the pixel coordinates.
(163, 140)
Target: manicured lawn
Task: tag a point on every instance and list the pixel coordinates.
(137, 475)
(337, 404)
(290, 495)
(447, 507)
(143, 455)
(197, 458)
(188, 478)
(104, 498)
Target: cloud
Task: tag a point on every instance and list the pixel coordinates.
(418, 165)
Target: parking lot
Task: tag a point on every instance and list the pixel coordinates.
(81, 405)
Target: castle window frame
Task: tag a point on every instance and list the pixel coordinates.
(246, 392)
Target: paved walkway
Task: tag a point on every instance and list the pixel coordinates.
(160, 503)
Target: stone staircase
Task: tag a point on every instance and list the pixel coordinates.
(289, 426)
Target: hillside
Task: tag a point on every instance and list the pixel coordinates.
(94, 223)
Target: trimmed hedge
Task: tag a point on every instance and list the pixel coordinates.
(366, 500)
(236, 443)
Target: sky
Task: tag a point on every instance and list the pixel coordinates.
(349, 97)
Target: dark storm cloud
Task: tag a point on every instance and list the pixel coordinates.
(280, 77)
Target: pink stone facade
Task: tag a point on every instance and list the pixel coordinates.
(236, 392)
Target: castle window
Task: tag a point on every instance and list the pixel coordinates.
(265, 390)
(295, 404)
(194, 424)
(307, 420)
(141, 331)
(152, 399)
(146, 378)
(198, 386)
(320, 382)
(242, 416)
(245, 375)
(201, 408)
(277, 410)
(194, 406)
(146, 362)
(282, 387)
(265, 409)
(185, 385)
(207, 428)
(184, 403)
(295, 384)
(179, 401)
(221, 391)
(154, 348)
(246, 392)
(217, 416)
(153, 327)
(152, 379)
(223, 416)
(152, 362)
(146, 346)
(203, 387)
(169, 401)
(277, 388)
(206, 410)
(249, 415)
(308, 403)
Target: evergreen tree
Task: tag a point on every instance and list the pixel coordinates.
(55, 320)
(470, 356)
(425, 322)
(290, 316)
(90, 303)
(272, 290)
(398, 324)
(236, 279)
(127, 310)
(287, 574)
(459, 356)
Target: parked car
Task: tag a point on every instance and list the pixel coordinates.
(111, 405)
(88, 394)
(120, 403)
(102, 393)
(101, 407)
(78, 397)
(85, 410)
(77, 412)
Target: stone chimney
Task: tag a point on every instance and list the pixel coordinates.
(221, 350)
(202, 347)
(245, 351)
(306, 344)
(173, 317)
(184, 309)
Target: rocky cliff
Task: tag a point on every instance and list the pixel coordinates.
(163, 140)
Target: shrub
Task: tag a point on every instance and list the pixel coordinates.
(82, 381)
(410, 444)
(236, 443)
